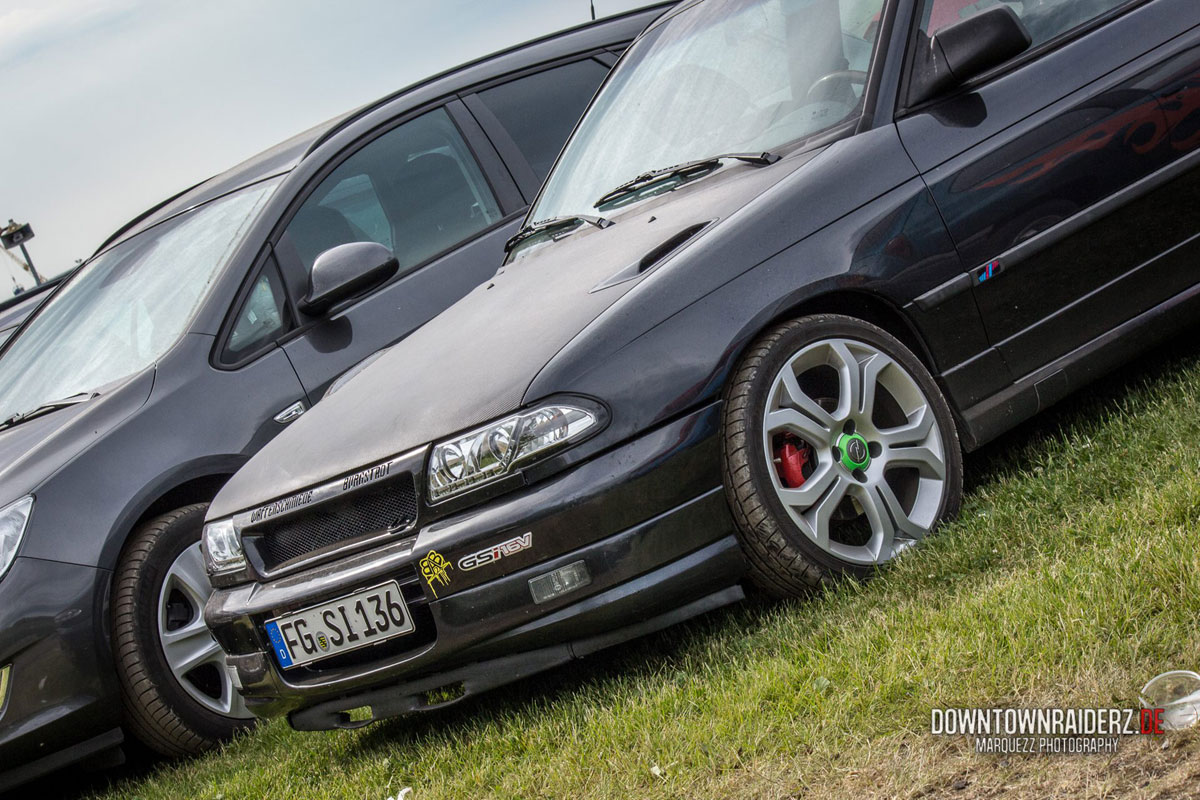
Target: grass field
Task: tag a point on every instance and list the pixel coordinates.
(1071, 577)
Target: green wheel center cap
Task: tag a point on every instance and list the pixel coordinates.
(855, 454)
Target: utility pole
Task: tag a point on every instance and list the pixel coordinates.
(15, 235)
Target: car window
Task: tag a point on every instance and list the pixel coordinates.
(723, 76)
(416, 190)
(127, 307)
(355, 198)
(264, 316)
(1044, 19)
(539, 110)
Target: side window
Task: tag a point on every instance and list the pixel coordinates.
(355, 199)
(539, 110)
(1044, 19)
(416, 189)
(263, 317)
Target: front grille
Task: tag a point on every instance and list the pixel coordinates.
(390, 506)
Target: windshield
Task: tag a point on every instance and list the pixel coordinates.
(127, 307)
(724, 76)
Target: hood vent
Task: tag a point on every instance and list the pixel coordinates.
(649, 260)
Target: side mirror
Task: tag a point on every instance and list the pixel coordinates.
(965, 49)
(346, 270)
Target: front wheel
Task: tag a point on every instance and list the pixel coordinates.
(178, 694)
(839, 451)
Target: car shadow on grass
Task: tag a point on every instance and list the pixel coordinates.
(635, 663)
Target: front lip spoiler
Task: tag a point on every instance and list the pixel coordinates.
(480, 677)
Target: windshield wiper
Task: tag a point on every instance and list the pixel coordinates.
(535, 228)
(684, 169)
(46, 408)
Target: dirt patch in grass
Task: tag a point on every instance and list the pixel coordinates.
(1143, 768)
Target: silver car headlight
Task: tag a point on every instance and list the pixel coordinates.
(490, 452)
(223, 553)
(14, 517)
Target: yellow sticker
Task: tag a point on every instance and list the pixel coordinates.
(434, 567)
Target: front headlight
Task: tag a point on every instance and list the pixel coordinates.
(13, 519)
(223, 548)
(495, 450)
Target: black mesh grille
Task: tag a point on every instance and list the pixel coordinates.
(389, 506)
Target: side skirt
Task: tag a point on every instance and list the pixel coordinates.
(1038, 390)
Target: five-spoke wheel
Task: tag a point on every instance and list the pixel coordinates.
(840, 452)
(193, 655)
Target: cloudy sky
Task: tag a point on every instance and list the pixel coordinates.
(113, 105)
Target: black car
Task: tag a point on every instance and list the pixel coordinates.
(797, 255)
(201, 331)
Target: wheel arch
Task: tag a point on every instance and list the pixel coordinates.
(200, 489)
(196, 482)
(865, 305)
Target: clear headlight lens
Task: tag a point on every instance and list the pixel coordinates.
(493, 451)
(223, 548)
(13, 519)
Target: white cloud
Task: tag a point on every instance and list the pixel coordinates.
(27, 27)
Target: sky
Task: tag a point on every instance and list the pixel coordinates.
(111, 106)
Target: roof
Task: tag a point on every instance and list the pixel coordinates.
(280, 158)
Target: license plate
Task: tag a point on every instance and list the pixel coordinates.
(348, 623)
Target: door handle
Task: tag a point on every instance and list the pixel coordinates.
(291, 413)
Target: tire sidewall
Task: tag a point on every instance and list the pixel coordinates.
(165, 545)
(795, 337)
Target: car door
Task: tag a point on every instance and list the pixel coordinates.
(433, 191)
(261, 315)
(438, 191)
(1044, 171)
(1179, 225)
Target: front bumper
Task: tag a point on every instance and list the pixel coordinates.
(63, 700)
(648, 519)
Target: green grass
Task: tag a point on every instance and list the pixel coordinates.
(1071, 577)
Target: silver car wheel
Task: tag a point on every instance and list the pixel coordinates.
(193, 655)
(875, 461)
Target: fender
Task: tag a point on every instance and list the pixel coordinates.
(898, 242)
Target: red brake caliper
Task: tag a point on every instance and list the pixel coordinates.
(791, 456)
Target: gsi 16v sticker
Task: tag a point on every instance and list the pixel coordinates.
(496, 552)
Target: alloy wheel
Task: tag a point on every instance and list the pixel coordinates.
(853, 450)
(193, 655)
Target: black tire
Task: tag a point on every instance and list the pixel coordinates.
(158, 711)
(783, 561)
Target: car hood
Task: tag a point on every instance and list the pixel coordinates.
(474, 361)
(33, 451)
